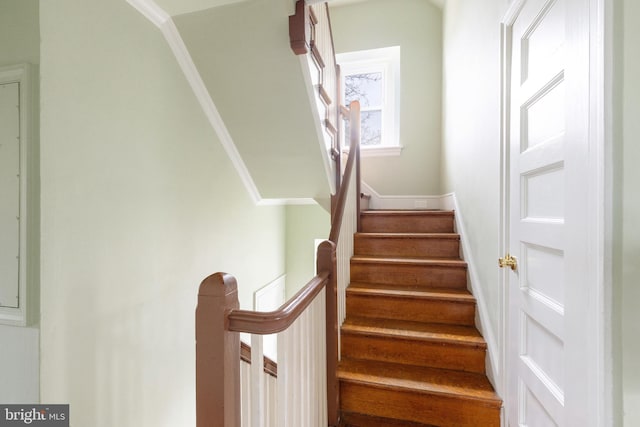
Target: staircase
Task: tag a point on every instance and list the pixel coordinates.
(411, 355)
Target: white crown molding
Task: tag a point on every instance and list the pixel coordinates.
(282, 202)
(439, 3)
(150, 10)
(163, 21)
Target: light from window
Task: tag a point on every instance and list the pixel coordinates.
(368, 89)
(372, 77)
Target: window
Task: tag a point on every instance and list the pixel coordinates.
(373, 78)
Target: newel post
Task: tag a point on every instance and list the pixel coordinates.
(300, 29)
(327, 262)
(217, 354)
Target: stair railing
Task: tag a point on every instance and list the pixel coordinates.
(307, 327)
(310, 35)
(307, 324)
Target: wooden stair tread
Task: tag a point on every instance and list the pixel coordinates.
(430, 261)
(403, 291)
(418, 379)
(411, 354)
(454, 334)
(408, 212)
(452, 236)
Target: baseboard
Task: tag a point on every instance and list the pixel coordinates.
(449, 202)
(378, 201)
(482, 315)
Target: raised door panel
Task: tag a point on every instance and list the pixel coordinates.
(537, 216)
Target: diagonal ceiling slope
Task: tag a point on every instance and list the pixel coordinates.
(180, 7)
(242, 54)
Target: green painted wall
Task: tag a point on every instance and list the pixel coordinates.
(242, 52)
(19, 363)
(471, 131)
(631, 215)
(304, 224)
(140, 203)
(415, 26)
(19, 32)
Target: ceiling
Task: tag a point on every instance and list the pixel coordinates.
(180, 7)
(439, 3)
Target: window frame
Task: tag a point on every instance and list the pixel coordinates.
(387, 61)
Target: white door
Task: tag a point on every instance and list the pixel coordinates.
(549, 355)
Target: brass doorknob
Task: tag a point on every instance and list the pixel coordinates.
(508, 261)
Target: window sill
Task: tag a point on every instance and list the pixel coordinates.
(378, 151)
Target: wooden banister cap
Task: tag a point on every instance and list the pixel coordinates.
(218, 285)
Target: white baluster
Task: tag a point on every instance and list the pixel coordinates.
(257, 381)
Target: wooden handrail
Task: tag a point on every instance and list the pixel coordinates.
(310, 34)
(354, 153)
(265, 323)
(219, 319)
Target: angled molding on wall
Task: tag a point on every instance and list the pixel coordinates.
(161, 19)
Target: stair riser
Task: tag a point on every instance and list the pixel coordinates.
(406, 224)
(413, 352)
(418, 310)
(407, 247)
(428, 276)
(421, 407)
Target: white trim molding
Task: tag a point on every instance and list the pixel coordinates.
(602, 407)
(377, 201)
(24, 313)
(377, 151)
(483, 322)
(161, 19)
(449, 201)
(385, 62)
